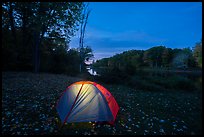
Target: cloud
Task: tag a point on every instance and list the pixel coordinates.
(107, 43)
(129, 35)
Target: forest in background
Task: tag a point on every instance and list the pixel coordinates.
(156, 69)
(36, 36)
(158, 57)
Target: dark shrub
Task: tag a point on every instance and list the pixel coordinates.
(180, 83)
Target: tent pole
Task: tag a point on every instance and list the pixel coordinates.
(71, 107)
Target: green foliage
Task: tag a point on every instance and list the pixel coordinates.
(183, 59)
(166, 57)
(133, 68)
(48, 25)
(153, 56)
(59, 60)
(101, 63)
(128, 61)
(180, 83)
(197, 53)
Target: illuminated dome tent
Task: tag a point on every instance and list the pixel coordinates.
(87, 101)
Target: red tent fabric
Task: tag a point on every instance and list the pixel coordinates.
(86, 101)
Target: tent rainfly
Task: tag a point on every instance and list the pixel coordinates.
(86, 101)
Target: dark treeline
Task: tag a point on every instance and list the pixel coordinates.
(155, 57)
(36, 36)
(154, 69)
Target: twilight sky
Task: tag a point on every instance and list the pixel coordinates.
(114, 27)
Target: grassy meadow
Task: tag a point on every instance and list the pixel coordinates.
(28, 107)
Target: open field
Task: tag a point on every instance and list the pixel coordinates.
(28, 108)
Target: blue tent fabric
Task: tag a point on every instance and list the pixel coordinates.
(90, 105)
